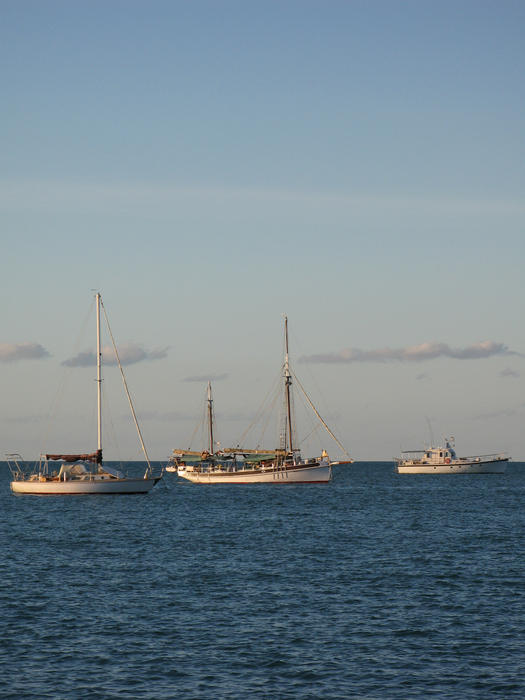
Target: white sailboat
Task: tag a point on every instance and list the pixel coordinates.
(444, 460)
(281, 466)
(80, 474)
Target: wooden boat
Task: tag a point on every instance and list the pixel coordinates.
(236, 466)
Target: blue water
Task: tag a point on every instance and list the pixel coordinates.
(374, 586)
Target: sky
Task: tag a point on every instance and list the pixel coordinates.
(209, 166)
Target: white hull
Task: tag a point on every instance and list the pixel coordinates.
(498, 466)
(83, 487)
(315, 474)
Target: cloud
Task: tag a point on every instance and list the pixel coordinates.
(163, 416)
(13, 352)
(175, 416)
(508, 372)
(83, 359)
(30, 419)
(414, 353)
(503, 413)
(129, 354)
(61, 195)
(207, 378)
(421, 376)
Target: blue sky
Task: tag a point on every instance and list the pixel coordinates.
(211, 165)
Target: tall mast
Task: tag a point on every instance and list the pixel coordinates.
(210, 418)
(287, 384)
(99, 377)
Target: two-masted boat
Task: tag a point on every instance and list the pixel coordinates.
(83, 473)
(444, 460)
(237, 466)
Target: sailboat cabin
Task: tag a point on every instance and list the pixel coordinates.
(438, 455)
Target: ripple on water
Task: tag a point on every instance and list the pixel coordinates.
(372, 587)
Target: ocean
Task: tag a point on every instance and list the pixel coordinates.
(375, 586)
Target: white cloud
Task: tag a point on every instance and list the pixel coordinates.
(174, 416)
(414, 353)
(24, 419)
(501, 413)
(508, 372)
(71, 196)
(13, 352)
(163, 416)
(129, 354)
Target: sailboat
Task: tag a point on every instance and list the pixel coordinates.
(280, 466)
(83, 473)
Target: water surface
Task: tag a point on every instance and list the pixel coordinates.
(374, 586)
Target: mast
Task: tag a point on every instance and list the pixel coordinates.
(210, 418)
(99, 379)
(287, 384)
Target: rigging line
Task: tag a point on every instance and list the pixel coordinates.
(318, 415)
(271, 408)
(112, 431)
(314, 430)
(203, 422)
(260, 410)
(58, 398)
(127, 390)
(255, 419)
(270, 412)
(307, 418)
(199, 425)
(312, 378)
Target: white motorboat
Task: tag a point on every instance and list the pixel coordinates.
(281, 466)
(79, 474)
(444, 460)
